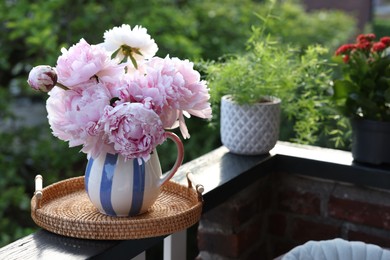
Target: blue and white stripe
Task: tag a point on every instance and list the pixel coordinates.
(122, 188)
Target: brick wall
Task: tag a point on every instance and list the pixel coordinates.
(235, 229)
(282, 211)
(360, 9)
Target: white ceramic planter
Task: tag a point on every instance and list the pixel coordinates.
(249, 129)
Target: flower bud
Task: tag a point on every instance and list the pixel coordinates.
(42, 78)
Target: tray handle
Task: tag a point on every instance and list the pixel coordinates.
(38, 190)
(192, 183)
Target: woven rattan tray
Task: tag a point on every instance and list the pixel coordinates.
(64, 208)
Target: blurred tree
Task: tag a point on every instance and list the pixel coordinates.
(32, 32)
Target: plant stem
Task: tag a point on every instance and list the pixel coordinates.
(62, 86)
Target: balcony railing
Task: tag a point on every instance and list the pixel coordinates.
(223, 175)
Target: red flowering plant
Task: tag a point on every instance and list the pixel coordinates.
(364, 89)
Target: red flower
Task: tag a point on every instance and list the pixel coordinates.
(378, 46)
(364, 63)
(345, 49)
(364, 46)
(386, 40)
(362, 38)
(346, 58)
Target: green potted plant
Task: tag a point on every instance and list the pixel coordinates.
(248, 87)
(363, 95)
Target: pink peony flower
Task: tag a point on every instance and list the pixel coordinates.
(42, 78)
(84, 61)
(74, 114)
(172, 88)
(193, 94)
(186, 92)
(106, 105)
(147, 87)
(133, 129)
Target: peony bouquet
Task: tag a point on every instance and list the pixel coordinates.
(117, 96)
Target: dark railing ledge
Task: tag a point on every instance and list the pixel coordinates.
(314, 153)
(329, 164)
(222, 174)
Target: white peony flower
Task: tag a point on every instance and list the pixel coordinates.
(135, 44)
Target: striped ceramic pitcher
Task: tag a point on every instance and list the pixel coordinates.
(126, 188)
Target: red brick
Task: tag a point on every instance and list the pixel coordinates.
(234, 213)
(251, 234)
(224, 244)
(370, 238)
(230, 245)
(305, 203)
(305, 230)
(277, 224)
(246, 212)
(360, 212)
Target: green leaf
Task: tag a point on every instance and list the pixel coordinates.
(260, 17)
(387, 95)
(343, 88)
(133, 61)
(136, 50)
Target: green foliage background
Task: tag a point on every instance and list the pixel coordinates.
(33, 32)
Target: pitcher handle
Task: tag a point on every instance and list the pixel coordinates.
(179, 159)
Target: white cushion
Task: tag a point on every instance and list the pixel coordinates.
(337, 249)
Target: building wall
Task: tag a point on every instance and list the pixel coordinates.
(284, 210)
(362, 10)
